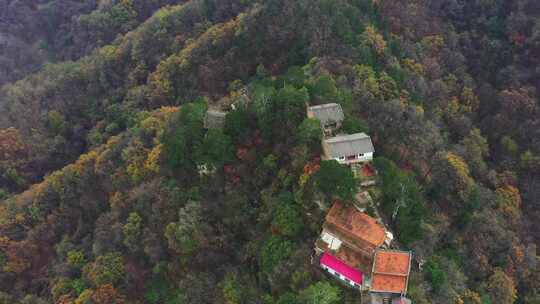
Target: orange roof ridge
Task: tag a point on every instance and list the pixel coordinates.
(397, 274)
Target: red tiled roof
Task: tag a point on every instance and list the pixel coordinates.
(341, 268)
(357, 224)
(391, 271)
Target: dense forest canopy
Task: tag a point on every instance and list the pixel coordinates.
(113, 191)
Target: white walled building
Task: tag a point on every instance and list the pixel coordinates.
(349, 149)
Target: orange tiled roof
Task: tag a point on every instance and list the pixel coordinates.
(356, 223)
(389, 283)
(391, 271)
(396, 262)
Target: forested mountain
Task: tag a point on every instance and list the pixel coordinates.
(112, 190)
(35, 32)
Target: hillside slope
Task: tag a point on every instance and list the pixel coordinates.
(102, 200)
(36, 32)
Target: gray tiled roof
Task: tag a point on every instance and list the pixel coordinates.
(214, 119)
(327, 113)
(345, 145)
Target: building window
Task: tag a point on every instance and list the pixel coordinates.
(361, 155)
(342, 158)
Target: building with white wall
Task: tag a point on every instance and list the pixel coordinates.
(349, 149)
